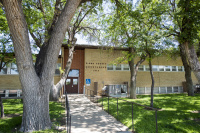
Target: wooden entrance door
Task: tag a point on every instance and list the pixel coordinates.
(71, 85)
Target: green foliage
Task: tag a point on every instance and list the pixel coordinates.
(39, 17)
(61, 70)
(3, 22)
(181, 19)
(136, 27)
(179, 113)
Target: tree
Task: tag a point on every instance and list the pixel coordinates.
(37, 80)
(181, 21)
(151, 35)
(6, 50)
(75, 27)
(122, 30)
(136, 29)
(39, 27)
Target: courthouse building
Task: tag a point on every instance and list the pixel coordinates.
(93, 67)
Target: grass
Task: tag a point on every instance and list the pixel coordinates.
(13, 110)
(179, 113)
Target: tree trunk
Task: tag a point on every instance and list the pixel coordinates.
(188, 77)
(193, 59)
(36, 86)
(133, 71)
(132, 80)
(152, 79)
(55, 90)
(133, 75)
(36, 108)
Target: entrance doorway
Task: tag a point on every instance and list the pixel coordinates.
(72, 85)
(72, 82)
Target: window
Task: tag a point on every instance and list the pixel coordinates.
(57, 71)
(75, 81)
(154, 68)
(148, 90)
(141, 90)
(169, 89)
(174, 68)
(162, 90)
(4, 69)
(125, 67)
(68, 81)
(147, 68)
(141, 68)
(110, 67)
(73, 73)
(124, 89)
(118, 67)
(180, 68)
(11, 68)
(14, 69)
(156, 90)
(161, 68)
(180, 89)
(167, 68)
(175, 89)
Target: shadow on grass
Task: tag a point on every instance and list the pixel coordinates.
(9, 123)
(13, 110)
(176, 114)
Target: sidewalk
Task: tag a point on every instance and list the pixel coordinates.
(88, 118)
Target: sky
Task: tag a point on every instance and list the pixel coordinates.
(82, 40)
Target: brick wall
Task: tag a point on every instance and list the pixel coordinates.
(77, 63)
(9, 81)
(12, 81)
(96, 61)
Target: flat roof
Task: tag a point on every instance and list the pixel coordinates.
(81, 46)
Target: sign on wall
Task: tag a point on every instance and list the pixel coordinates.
(88, 82)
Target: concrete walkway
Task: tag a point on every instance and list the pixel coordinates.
(88, 118)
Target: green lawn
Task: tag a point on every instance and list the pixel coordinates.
(13, 110)
(179, 113)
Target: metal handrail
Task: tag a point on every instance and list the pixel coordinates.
(68, 113)
(155, 109)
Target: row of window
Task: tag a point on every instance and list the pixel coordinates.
(125, 67)
(119, 89)
(11, 68)
(162, 90)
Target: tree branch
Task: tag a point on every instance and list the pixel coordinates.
(57, 37)
(19, 30)
(42, 10)
(84, 17)
(142, 59)
(78, 17)
(57, 12)
(37, 41)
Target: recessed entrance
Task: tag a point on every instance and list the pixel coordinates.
(72, 82)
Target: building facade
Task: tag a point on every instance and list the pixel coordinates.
(94, 67)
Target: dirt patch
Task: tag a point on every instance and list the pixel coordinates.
(12, 115)
(158, 109)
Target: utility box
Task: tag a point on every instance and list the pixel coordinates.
(117, 90)
(95, 88)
